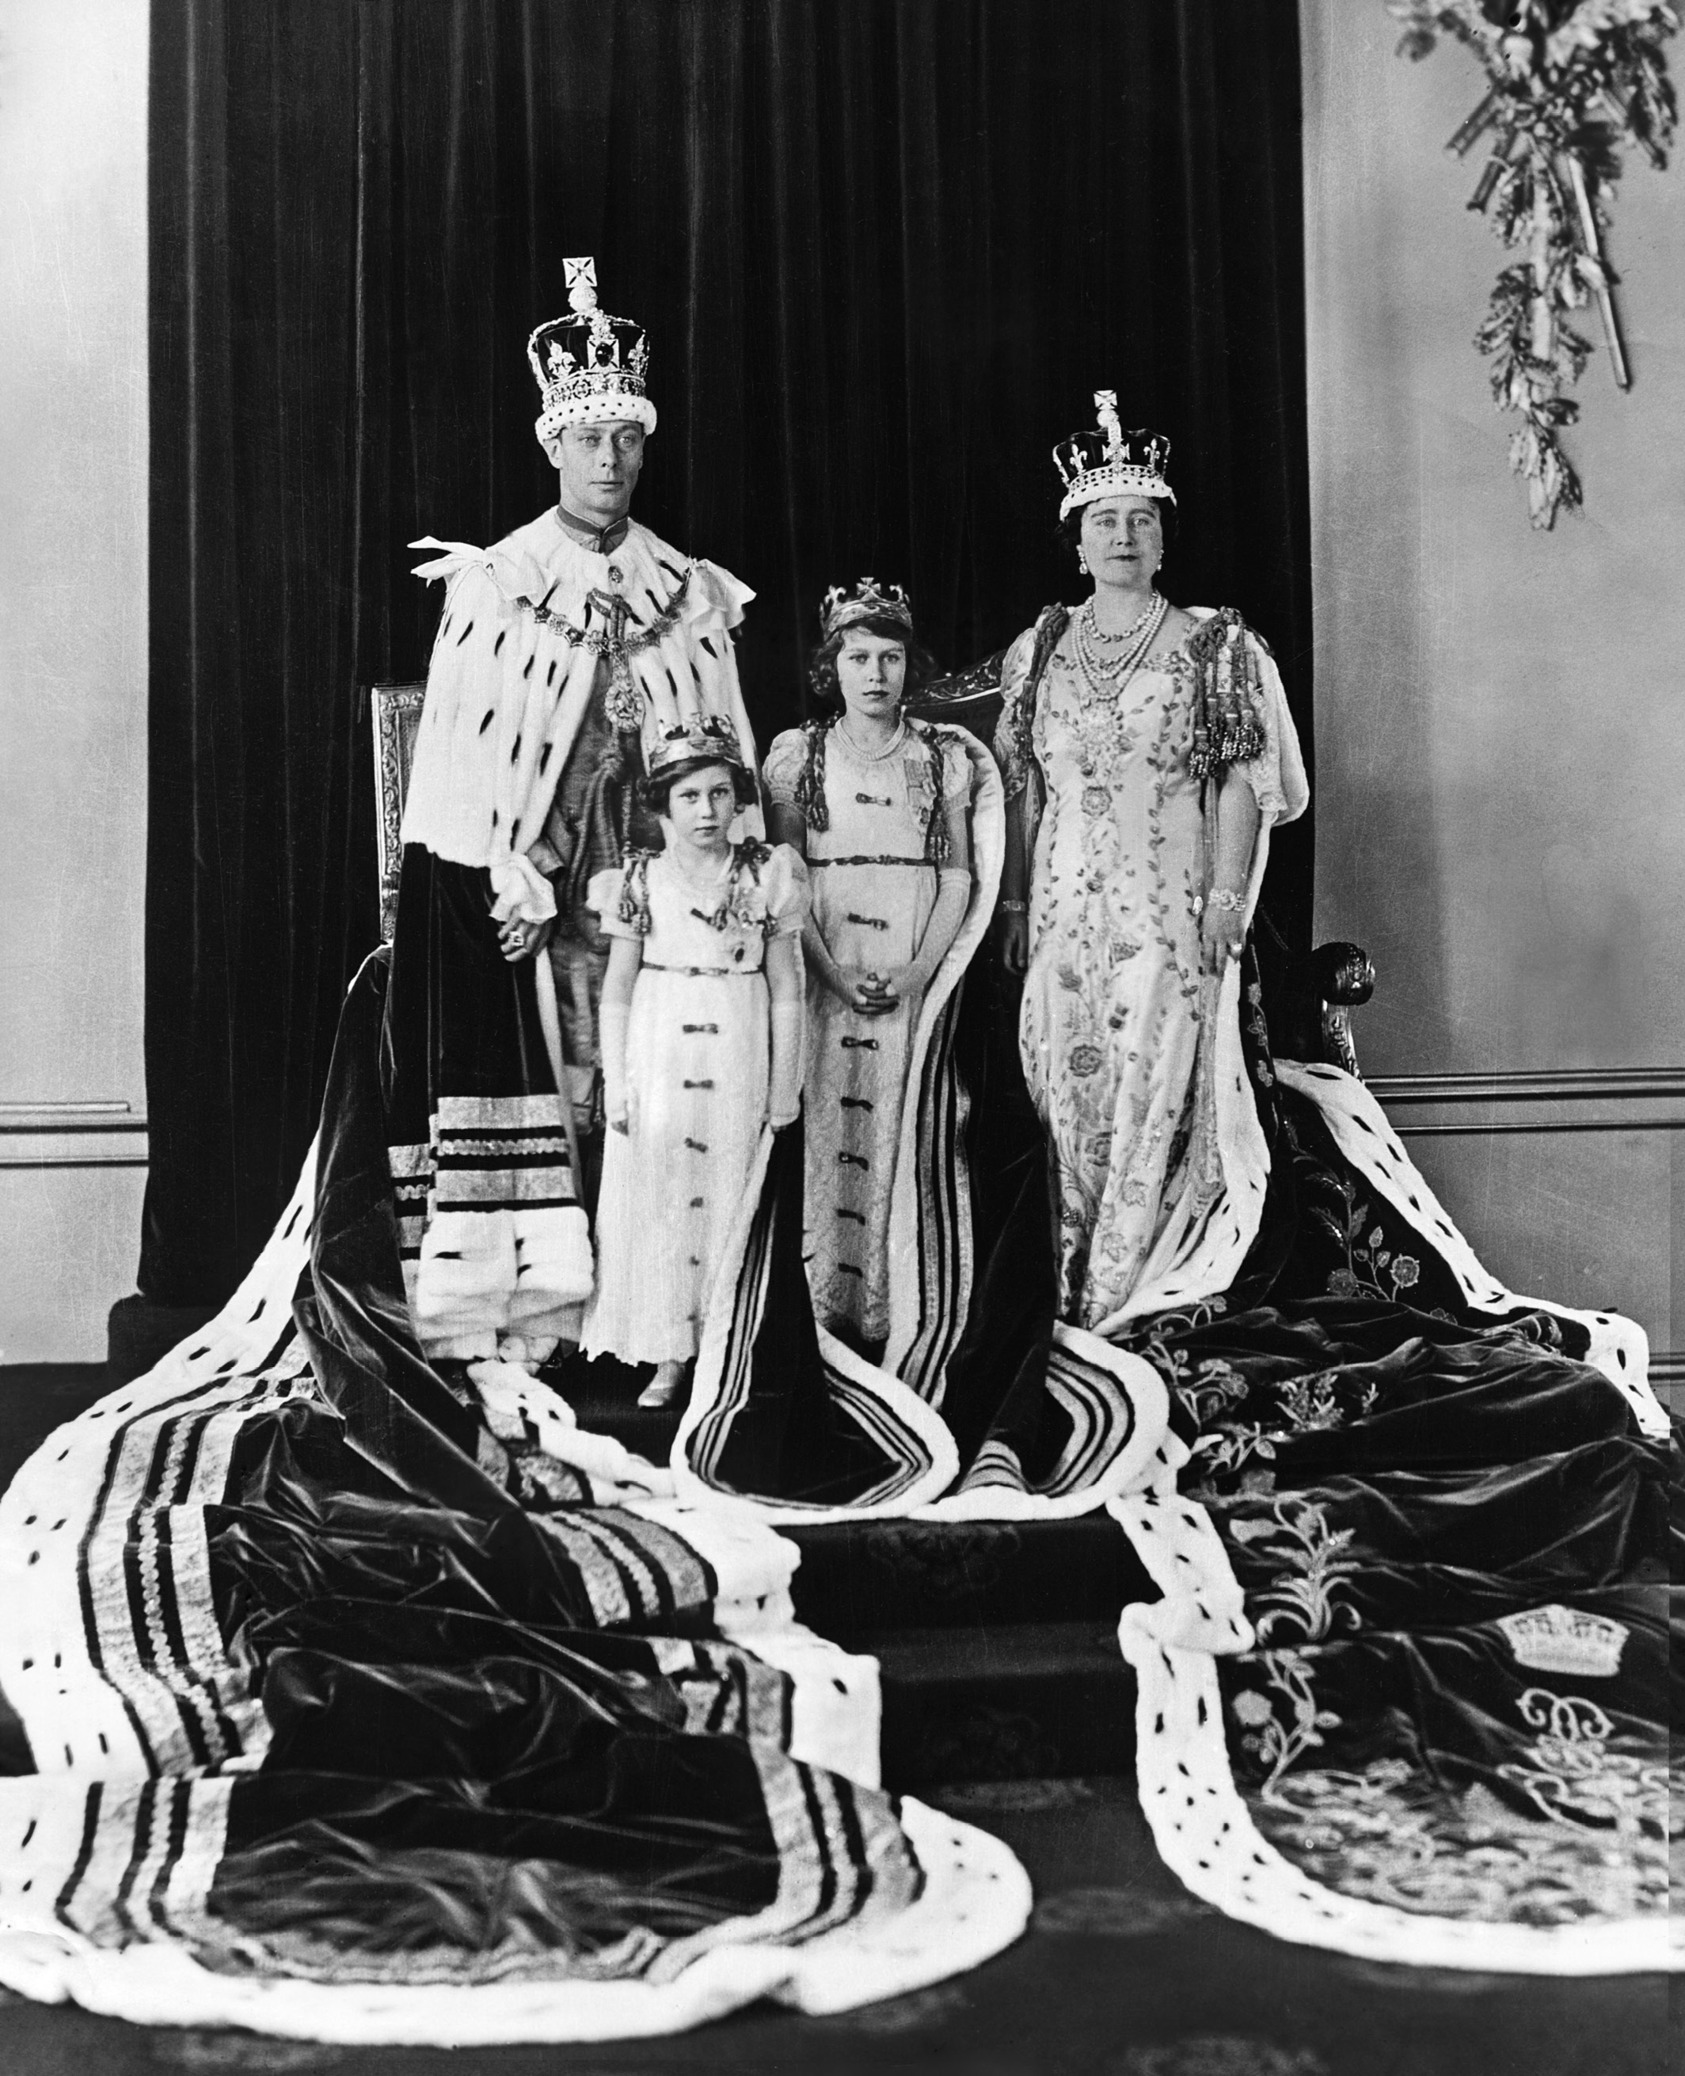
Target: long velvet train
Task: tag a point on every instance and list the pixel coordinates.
(343, 1699)
(1406, 1689)
(331, 1712)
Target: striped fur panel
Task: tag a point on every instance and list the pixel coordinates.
(930, 1237)
(636, 1573)
(914, 1448)
(126, 1866)
(1115, 1412)
(932, 1276)
(114, 1662)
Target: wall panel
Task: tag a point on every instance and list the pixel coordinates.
(73, 621)
(1567, 1185)
(1500, 725)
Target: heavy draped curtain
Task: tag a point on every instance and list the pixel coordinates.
(885, 251)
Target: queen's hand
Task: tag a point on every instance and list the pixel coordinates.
(1222, 927)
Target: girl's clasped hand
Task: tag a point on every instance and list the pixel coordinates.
(872, 994)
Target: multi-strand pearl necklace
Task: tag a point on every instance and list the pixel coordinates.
(1109, 676)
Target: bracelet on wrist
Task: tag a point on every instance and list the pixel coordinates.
(1226, 899)
(1013, 907)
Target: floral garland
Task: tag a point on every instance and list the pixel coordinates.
(1569, 85)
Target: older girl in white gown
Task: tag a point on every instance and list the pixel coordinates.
(877, 804)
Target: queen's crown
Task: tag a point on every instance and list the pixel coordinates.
(1110, 462)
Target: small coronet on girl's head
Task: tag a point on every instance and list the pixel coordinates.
(679, 753)
(869, 648)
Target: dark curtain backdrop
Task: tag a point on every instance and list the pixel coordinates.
(885, 251)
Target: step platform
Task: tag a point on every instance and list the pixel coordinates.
(996, 1640)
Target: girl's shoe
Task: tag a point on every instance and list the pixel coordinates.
(666, 1387)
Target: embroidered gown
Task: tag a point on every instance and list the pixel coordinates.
(874, 885)
(697, 1059)
(1116, 1023)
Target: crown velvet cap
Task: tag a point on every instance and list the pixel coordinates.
(869, 600)
(1110, 462)
(590, 367)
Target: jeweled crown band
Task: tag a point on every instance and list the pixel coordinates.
(869, 600)
(590, 367)
(711, 738)
(1110, 462)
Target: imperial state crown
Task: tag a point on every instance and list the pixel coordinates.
(590, 367)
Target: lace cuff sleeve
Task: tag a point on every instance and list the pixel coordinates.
(1277, 774)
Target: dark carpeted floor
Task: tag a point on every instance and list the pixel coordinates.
(1122, 1973)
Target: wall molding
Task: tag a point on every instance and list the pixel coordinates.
(1568, 1084)
(107, 1132)
(102, 1132)
(1562, 1101)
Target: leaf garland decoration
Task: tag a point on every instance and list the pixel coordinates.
(1572, 84)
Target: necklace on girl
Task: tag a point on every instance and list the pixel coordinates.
(875, 756)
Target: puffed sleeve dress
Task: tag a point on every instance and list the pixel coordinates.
(697, 1059)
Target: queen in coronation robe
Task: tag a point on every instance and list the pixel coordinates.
(562, 650)
(1147, 753)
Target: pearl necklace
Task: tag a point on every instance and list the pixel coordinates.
(1109, 676)
(1154, 607)
(874, 756)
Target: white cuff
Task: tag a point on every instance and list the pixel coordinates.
(522, 891)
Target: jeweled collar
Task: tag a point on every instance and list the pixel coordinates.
(600, 540)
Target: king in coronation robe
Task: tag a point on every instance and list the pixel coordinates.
(565, 651)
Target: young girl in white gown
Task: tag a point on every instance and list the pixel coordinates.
(701, 1030)
(877, 804)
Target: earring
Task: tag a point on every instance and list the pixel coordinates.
(1082, 562)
